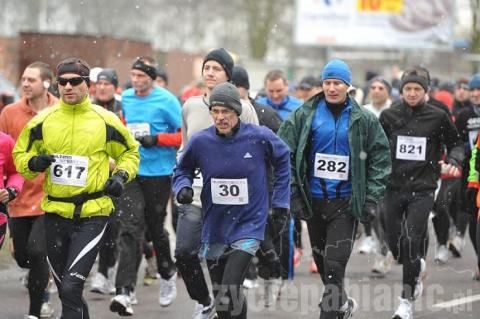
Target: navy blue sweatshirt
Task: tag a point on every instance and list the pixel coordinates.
(236, 169)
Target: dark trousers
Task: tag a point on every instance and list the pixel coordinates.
(107, 256)
(449, 205)
(189, 235)
(143, 207)
(72, 247)
(332, 233)
(269, 264)
(407, 222)
(28, 237)
(227, 275)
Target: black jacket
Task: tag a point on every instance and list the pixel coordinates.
(267, 116)
(424, 121)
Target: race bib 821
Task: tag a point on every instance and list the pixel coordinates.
(411, 148)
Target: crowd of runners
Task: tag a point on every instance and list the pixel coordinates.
(91, 168)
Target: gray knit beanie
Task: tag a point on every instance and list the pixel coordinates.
(226, 95)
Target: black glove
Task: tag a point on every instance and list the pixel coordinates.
(471, 197)
(369, 212)
(114, 185)
(477, 161)
(40, 163)
(185, 196)
(148, 140)
(296, 204)
(12, 193)
(279, 219)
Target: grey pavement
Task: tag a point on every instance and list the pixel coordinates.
(377, 298)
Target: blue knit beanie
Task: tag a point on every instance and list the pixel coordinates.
(339, 70)
(475, 82)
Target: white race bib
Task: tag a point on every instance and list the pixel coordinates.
(69, 170)
(472, 138)
(139, 129)
(229, 191)
(330, 166)
(411, 148)
(198, 179)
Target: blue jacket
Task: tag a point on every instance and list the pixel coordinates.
(329, 136)
(161, 110)
(283, 109)
(243, 156)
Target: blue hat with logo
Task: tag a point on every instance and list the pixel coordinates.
(475, 82)
(338, 70)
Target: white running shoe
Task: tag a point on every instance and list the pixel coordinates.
(30, 317)
(348, 309)
(441, 256)
(122, 305)
(368, 245)
(271, 291)
(382, 264)
(168, 291)
(47, 310)
(404, 310)
(204, 312)
(133, 298)
(250, 283)
(101, 285)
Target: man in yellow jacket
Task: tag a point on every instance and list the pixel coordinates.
(72, 143)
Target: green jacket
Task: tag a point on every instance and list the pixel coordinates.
(87, 131)
(370, 162)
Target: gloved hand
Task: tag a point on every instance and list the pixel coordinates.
(115, 184)
(40, 162)
(296, 204)
(185, 196)
(148, 140)
(369, 212)
(471, 197)
(279, 218)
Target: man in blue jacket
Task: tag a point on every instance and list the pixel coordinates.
(232, 157)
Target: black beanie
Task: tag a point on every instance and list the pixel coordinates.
(109, 75)
(76, 66)
(240, 77)
(417, 75)
(222, 57)
(162, 74)
(226, 94)
(140, 65)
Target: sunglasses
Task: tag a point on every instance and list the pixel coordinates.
(73, 81)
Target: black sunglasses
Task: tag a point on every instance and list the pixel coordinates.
(73, 81)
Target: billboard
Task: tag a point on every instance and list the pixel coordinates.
(375, 23)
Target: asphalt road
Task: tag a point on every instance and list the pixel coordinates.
(377, 298)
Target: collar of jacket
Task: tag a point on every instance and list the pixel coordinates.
(82, 106)
(313, 102)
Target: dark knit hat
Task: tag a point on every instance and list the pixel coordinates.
(474, 82)
(240, 77)
(76, 66)
(417, 75)
(222, 57)
(382, 80)
(308, 82)
(140, 65)
(226, 94)
(161, 73)
(109, 75)
(338, 70)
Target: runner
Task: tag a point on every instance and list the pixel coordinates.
(78, 137)
(26, 221)
(232, 157)
(152, 114)
(217, 68)
(333, 185)
(417, 132)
